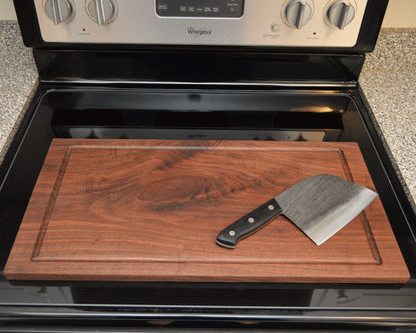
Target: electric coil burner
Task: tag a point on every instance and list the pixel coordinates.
(198, 70)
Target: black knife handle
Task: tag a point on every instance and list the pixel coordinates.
(249, 224)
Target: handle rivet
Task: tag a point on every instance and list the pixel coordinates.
(271, 207)
(251, 220)
(232, 233)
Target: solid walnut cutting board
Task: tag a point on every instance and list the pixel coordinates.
(150, 210)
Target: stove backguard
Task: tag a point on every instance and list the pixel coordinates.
(347, 26)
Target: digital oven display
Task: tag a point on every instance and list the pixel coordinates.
(200, 8)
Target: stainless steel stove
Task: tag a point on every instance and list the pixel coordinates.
(198, 70)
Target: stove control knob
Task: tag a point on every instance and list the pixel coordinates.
(60, 10)
(298, 12)
(340, 14)
(102, 11)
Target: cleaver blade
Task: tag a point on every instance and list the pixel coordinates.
(320, 206)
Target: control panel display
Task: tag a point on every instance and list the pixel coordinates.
(200, 8)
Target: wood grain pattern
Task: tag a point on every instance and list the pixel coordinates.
(150, 210)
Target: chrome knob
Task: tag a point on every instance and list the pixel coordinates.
(340, 14)
(102, 11)
(298, 13)
(60, 10)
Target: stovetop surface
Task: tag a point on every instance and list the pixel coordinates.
(307, 115)
(83, 111)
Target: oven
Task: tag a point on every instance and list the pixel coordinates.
(201, 71)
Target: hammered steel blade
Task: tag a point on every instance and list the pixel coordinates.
(322, 205)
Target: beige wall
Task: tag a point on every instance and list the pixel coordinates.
(400, 13)
(7, 10)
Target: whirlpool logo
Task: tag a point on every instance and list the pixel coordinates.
(199, 32)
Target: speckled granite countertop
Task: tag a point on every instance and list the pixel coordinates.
(388, 81)
(18, 79)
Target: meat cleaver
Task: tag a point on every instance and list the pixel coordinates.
(320, 206)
